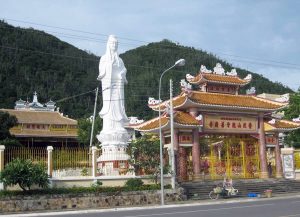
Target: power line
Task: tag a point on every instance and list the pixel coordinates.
(182, 47)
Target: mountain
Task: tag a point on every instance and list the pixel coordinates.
(32, 60)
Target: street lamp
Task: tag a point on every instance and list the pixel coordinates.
(180, 62)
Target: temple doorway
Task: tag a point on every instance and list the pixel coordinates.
(226, 156)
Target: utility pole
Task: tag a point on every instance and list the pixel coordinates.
(93, 122)
(173, 181)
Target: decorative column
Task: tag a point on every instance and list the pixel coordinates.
(94, 161)
(278, 159)
(195, 148)
(50, 162)
(2, 148)
(262, 149)
(196, 155)
(176, 139)
(182, 164)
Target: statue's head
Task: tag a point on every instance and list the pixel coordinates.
(112, 43)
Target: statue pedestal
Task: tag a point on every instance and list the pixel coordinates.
(114, 156)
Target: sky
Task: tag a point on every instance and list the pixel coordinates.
(262, 36)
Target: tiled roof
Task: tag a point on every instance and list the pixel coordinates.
(185, 119)
(214, 78)
(180, 118)
(223, 100)
(177, 101)
(40, 117)
(44, 133)
(239, 101)
(281, 126)
(152, 124)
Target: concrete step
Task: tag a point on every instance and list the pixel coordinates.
(200, 190)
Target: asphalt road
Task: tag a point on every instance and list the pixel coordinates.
(274, 207)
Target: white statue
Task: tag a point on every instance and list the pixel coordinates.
(113, 136)
(112, 74)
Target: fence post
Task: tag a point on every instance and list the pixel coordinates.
(2, 148)
(94, 163)
(50, 161)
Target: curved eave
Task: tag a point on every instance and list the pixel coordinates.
(155, 121)
(273, 128)
(181, 120)
(178, 102)
(200, 79)
(228, 83)
(219, 106)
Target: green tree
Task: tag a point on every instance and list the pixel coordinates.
(84, 130)
(144, 155)
(293, 111)
(25, 174)
(7, 121)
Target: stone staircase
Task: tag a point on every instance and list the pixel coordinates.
(201, 189)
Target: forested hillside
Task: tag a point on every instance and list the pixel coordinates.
(31, 60)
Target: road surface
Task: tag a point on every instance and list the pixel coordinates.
(274, 207)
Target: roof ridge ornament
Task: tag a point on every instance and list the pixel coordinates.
(203, 69)
(283, 98)
(232, 72)
(152, 101)
(219, 70)
(189, 77)
(199, 118)
(135, 121)
(251, 91)
(273, 121)
(186, 87)
(248, 77)
(297, 119)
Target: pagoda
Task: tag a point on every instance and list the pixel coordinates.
(217, 131)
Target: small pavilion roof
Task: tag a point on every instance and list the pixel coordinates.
(181, 119)
(218, 100)
(216, 78)
(281, 126)
(40, 117)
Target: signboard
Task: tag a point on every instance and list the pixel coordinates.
(288, 166)
(185, 138)
(230, 124)
(271, 140)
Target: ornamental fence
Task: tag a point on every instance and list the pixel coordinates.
(65, 162)
(36, 154)
(297, 159)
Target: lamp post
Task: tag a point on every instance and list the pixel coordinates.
(180, 62)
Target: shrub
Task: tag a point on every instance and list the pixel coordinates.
(25, 174)
(134, 183)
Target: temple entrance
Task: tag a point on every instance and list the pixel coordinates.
(226, 156)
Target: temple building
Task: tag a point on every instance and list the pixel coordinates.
(42, 125)
(218, 132)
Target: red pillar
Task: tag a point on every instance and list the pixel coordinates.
(195, 148)
(182, 164)
(278, 159)
(176, 139)
(196, 155)
(262, 149)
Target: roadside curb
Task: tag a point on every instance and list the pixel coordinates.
(183, 204)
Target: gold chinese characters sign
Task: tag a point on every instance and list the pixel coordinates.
(185, 138)
(230, 124)
(271, 140)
